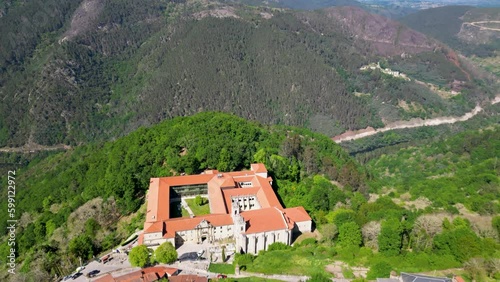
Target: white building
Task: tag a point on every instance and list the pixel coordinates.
(243, 207)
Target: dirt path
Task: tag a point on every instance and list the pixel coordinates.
(417, 122)
(478, 24)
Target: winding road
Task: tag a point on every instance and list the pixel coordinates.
(478, 24)
(346, 136)
(417, 122)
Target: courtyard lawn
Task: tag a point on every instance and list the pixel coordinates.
(176, 210)
(223, 268)
(198, 210)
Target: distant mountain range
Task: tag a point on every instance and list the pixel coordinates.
(473, 31)
(423, 4)
(95, 70)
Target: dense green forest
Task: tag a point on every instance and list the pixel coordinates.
(69, 203)
(132, 86)
(365, 149)
(445, 23)
(111, 179)
(302, 5)
(123, 64)
(434, 206)
(461, 169)
(387, 10)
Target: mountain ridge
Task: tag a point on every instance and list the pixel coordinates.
(135, 65)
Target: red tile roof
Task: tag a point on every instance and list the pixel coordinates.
(263, 220)
(144, 275)
(155, 227)
(183, 224)
(153, 198)
(459, 279)
(297, 214)
(105, 278)
(268, 193)
(221, 187)
(215, 198)
(159, 192)
(188, 278)
(258, 168)
(161, 269)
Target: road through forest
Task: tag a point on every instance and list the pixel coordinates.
(417, 122)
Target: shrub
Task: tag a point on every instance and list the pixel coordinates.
(82, 246)
(109, 241)
(319, 277)
(243, 259)
(329, 232)
(278, 246)
(200, 201)
(350, 234)
(379, 270)
(308, 241)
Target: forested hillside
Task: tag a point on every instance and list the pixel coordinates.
(455, 26)
(300, 4)
(56, 196)
(98, 70)
(434, 206)
(388, 9)
(138, 89)
(462, 169)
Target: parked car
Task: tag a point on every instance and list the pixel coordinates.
(93, 273)
(105, 258)
(221, 276)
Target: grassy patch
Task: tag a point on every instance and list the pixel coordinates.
(304, 260)
(198, 210)
(221, 268)
(347, 272)
(176, 210)
(306, 235)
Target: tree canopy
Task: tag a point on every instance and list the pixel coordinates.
(139, 256)
(166, 253)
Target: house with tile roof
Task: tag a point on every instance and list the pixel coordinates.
(188, 278)
(149, 274)
(243, 207)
